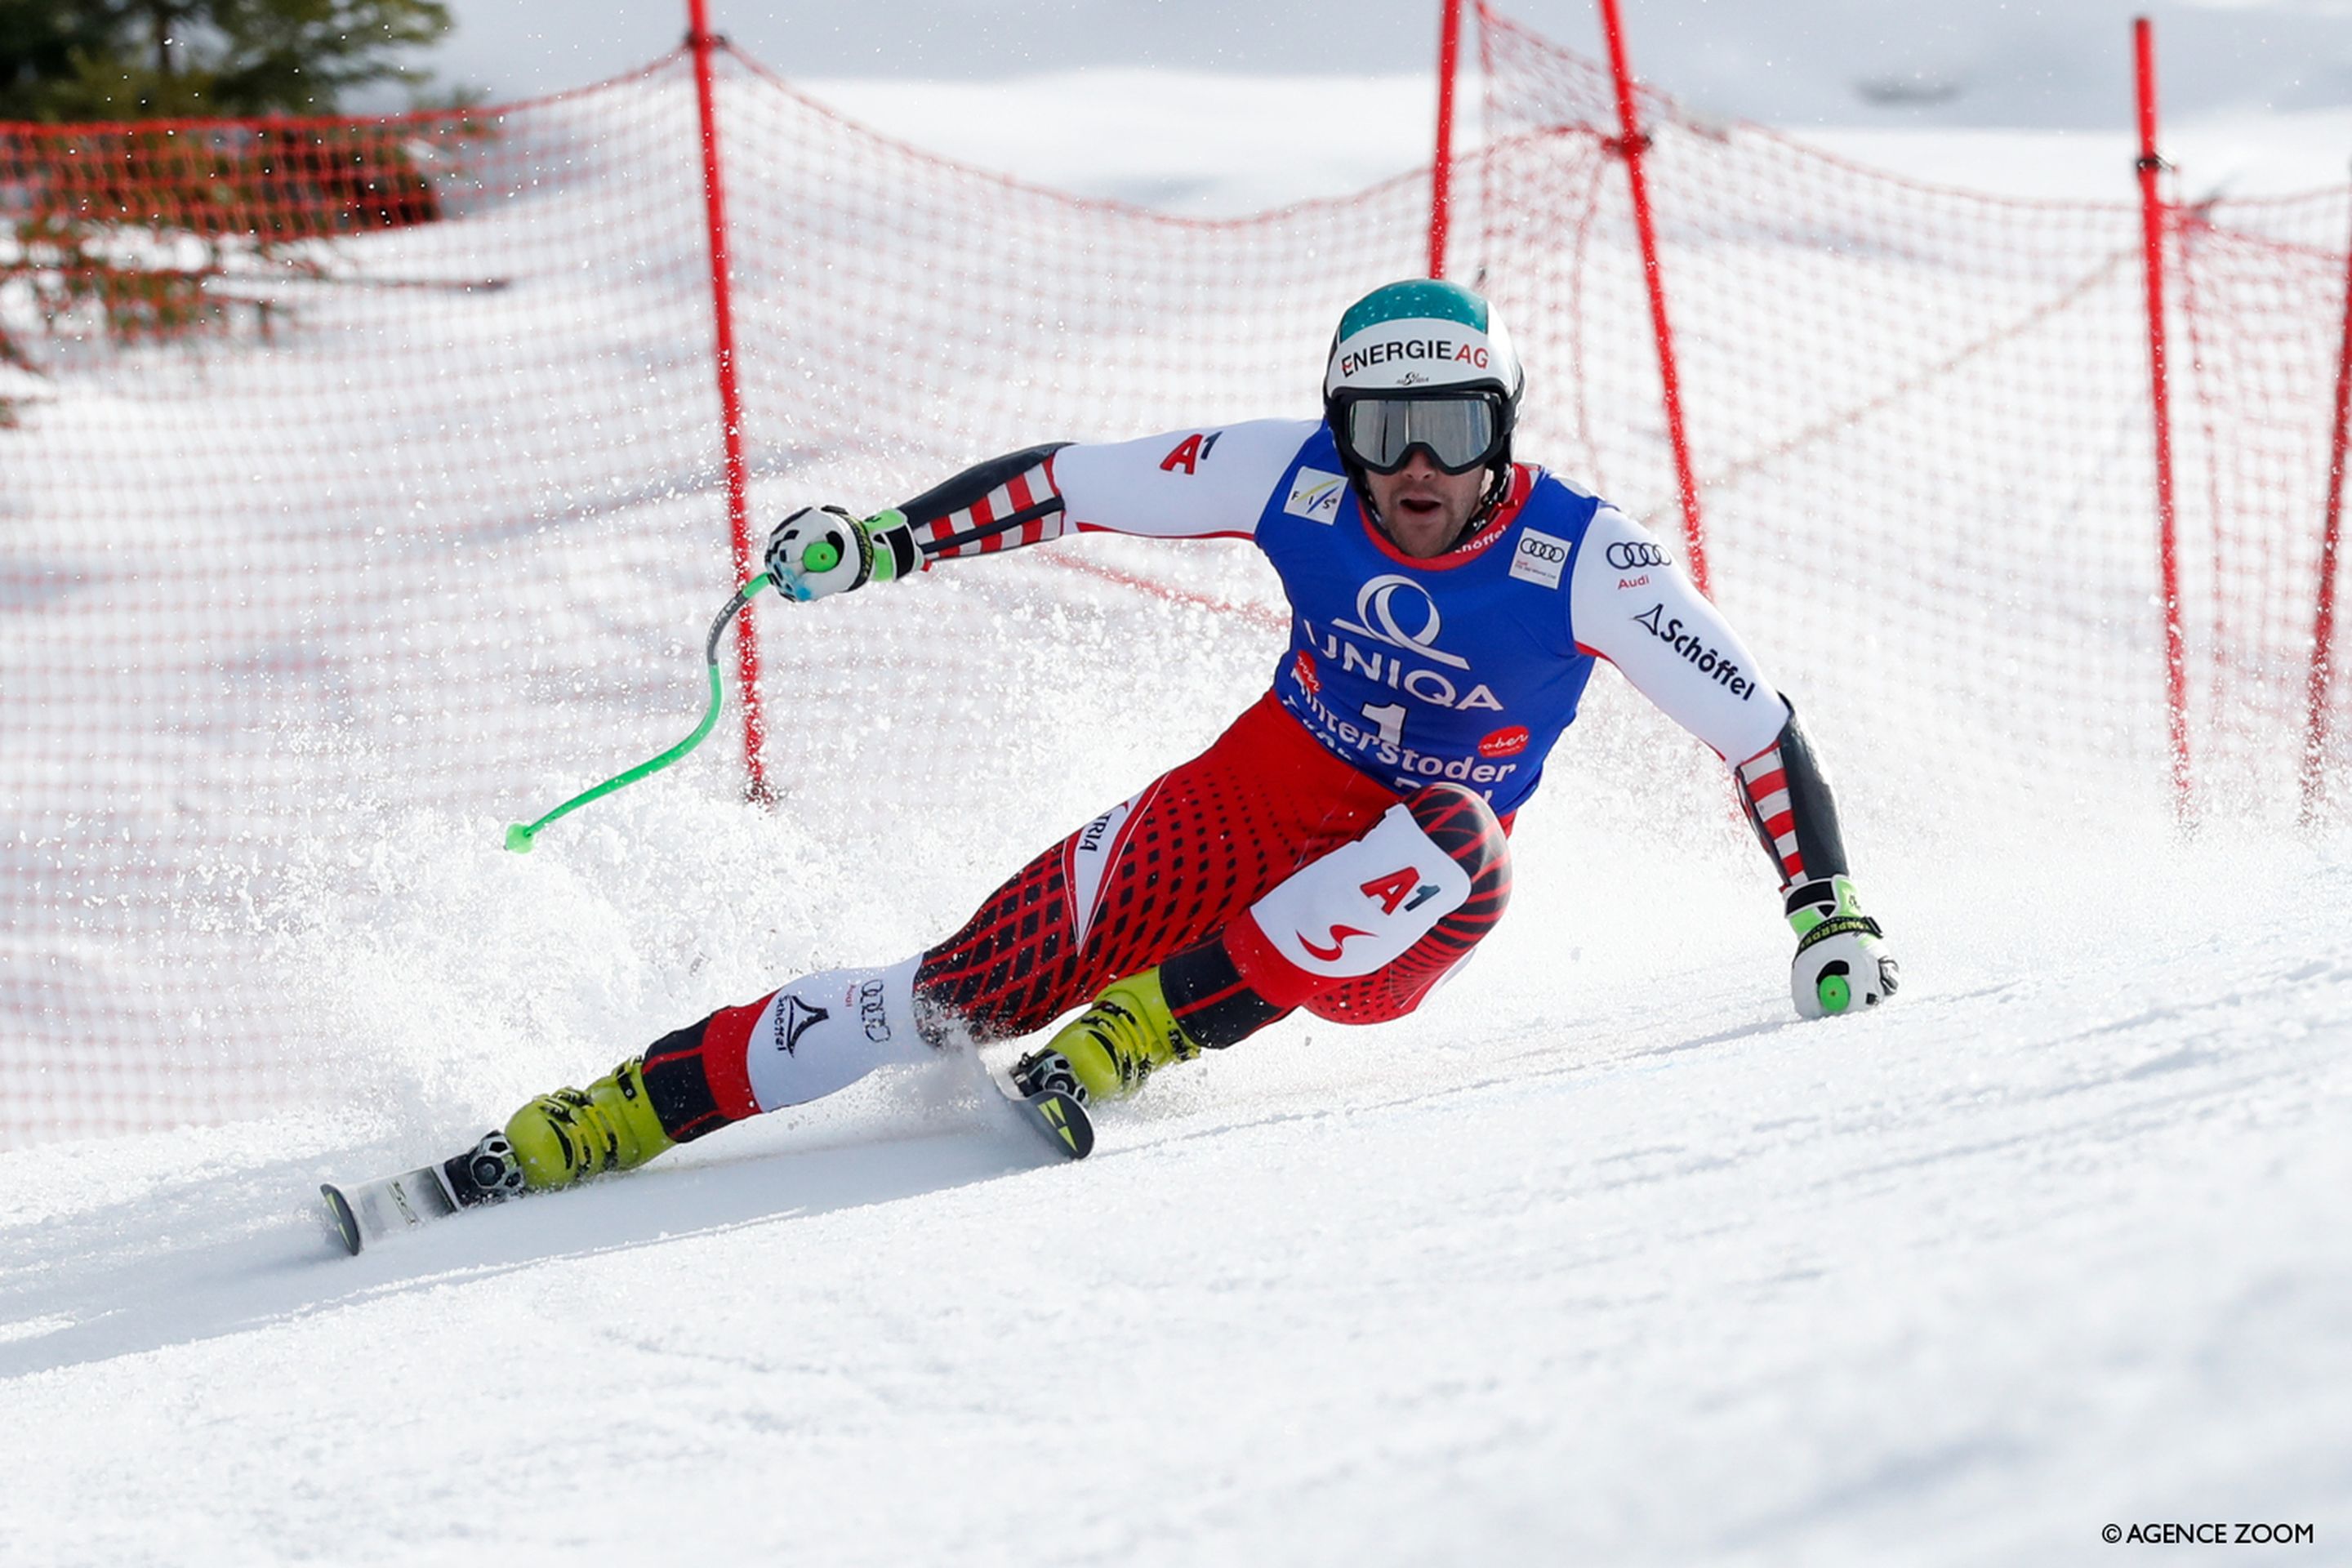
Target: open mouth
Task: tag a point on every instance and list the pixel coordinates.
(1418, 505)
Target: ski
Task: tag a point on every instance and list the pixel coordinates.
(1060, 1120)
(370, 1211)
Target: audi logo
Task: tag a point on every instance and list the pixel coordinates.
(1543, 549)
(1627, 556)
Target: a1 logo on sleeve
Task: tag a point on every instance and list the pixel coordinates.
(1538, 558)
(1314, 495)
(1190, 452)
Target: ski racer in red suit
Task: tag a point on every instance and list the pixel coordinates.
(1343, 846)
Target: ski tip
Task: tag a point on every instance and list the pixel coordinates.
(338, 1211)
(1064, 1121)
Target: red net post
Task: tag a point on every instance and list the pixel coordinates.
(1441, 178)
(731, 398)
(1632, 145)
(2154, 223)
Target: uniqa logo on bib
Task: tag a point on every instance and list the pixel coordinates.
(1376, 617)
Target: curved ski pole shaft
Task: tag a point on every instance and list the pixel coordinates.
(520, 834)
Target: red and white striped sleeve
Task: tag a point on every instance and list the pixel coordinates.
(1001, 504)
(1764, 791)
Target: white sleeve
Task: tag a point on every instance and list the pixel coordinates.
(1187, 484)
(1632, 604)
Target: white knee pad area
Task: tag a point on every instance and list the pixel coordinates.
(823, 1034)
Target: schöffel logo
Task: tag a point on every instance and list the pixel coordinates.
(1668, 630)
(1626, 554)
(794, 1018)
(1540, 559)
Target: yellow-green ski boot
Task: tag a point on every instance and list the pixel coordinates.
(572, 1134)
(1106, 1051)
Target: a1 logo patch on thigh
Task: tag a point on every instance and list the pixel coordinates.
(1360, 907)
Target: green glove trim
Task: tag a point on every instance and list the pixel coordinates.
(895, 553)
(1810, 906)
(1838, 925)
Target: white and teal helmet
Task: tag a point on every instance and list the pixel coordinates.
(1423, 365)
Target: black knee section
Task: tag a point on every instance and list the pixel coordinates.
(1460, 822)
(680, 1085)
(1208, 999)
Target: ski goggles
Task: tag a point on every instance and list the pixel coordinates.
(1458, 433)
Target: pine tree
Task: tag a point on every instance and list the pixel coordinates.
(68, 61)
(139, 60)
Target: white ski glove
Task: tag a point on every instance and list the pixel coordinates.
(822, 550)
(1841, 960)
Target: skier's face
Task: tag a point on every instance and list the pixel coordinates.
(1423, 509)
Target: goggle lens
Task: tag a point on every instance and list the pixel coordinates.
(1458, 433)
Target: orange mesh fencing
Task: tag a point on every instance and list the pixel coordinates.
(361, 468)
(1920, 422)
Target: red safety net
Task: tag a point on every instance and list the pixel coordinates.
(364, 468)
(365, 475)
(1920, 421)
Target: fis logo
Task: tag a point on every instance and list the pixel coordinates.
(1314, 495)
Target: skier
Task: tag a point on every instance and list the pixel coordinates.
(1343, 846)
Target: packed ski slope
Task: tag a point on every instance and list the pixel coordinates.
(1601, 1258)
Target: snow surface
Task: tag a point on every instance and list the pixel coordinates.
(1600, 1257)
